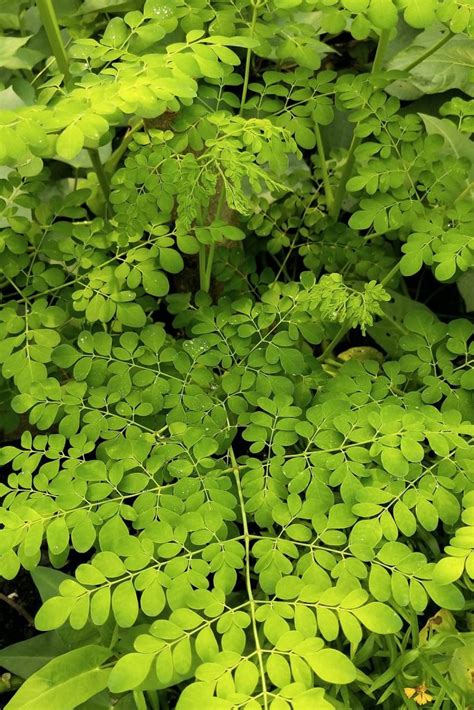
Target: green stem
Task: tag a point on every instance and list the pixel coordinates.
(139, 698)
(100, 172)
(202, 267)
(116, 156)
(382, 45)
(18, 608)
(113, 636)
(248, 579)
(356, 140)
(18, 290)
(324, 168)
(335, 341)
(248, 59)
(438, 702)
(396, 324)
(430, 51)
(50, 24)
(208, 271)
(346, 173)
(152, 698)
(415, 634)
(465, 192)
(205, 269)
(393, 271)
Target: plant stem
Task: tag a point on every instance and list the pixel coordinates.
(324, 168)
(139, 698)
(208, 271)
(113, 637)
(18, 290)
(114, 159)
(382, 45)
(248, 579)
(346, 173)
(18, 608)
(393, 271)
(248, 59)
(430, 51)
(335, 341)
(414, 628)
(202, 267)
(152, 697)
(439, 700)
(100, 172)
(465, 192)
(396, 324)
(205, 268)
(356, 140)
(51, 26)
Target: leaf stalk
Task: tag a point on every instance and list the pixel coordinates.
(248, 579)
(431, 50)
(324, 169)
(334, 342)
(53, 33)
(205, 263)
(248, 60)
(100, 172)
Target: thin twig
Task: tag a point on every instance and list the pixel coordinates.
(17, 607)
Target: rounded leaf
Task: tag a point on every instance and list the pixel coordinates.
(54, 613)
(379, 618)
(130, 671)
(70, 142)
(448, 570)
(420, 13)
(383, 14)
(332, 666)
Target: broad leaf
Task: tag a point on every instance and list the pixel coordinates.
(64, 682)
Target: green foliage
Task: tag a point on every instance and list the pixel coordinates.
(223, 502)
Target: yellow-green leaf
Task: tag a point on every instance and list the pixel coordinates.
(70, 142)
